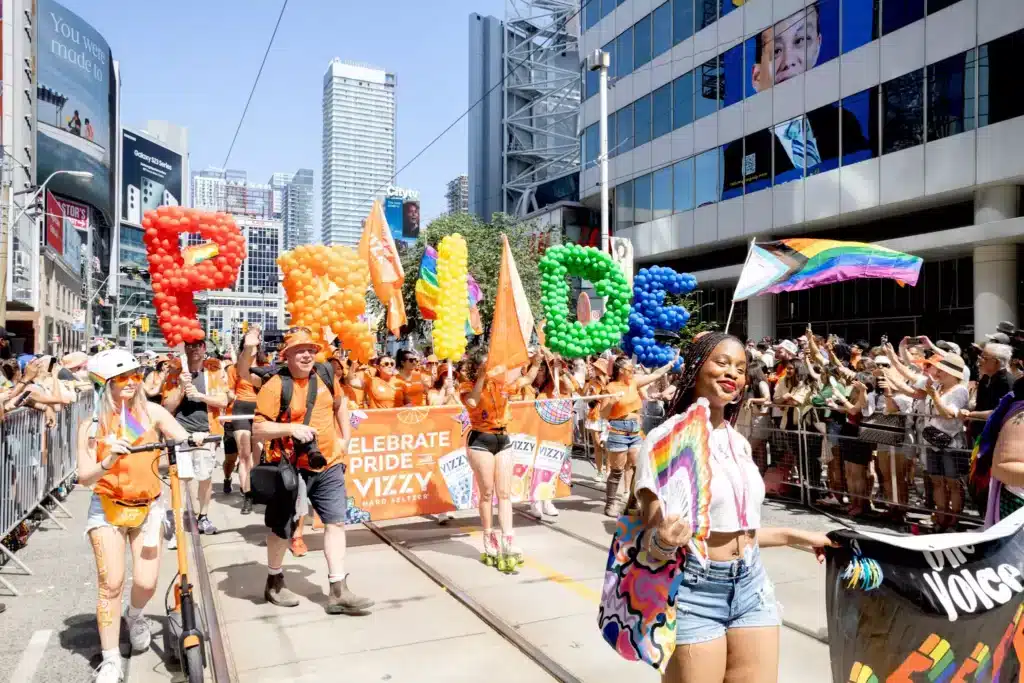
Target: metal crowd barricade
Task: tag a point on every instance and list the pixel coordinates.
(812, 464)
(35, 461)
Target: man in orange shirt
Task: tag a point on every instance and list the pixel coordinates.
(311, 442)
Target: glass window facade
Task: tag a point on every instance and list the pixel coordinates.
(706, 12)
(642, 42)
(682, 100)
(951, 95)
(859, 126)
(643, 202)
(624, 205)
(859, 23)
(682, 20)
(999, 97)
(661, 106)
(706, 88)
(624, 130)
(624, 53)
(706, 178)
(903, 112)
(661, 24)
(896, 15)
(662, 192)
(642, 121)
(682, 185)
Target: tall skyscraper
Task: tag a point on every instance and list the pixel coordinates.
(359, 143)
(458, 194)
(277, 183)
(486, 48)
(217, 189)
(298, 209)
(207, 190)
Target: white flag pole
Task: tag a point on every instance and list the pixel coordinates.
(732, 306)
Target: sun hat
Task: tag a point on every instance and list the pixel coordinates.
(298, 337)
(950, 364)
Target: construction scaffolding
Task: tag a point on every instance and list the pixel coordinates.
(542, 98)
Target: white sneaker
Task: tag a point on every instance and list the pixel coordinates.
(107, 672)
(172, 543)
(139, 633)
(599, 478)
(442, 518)
(537, 509)
(549, 509)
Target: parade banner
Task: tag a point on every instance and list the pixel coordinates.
(407, 462)
(927, 608)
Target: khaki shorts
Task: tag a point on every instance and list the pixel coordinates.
(204, 461)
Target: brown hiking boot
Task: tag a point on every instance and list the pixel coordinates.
(612, 504)
(340, 600)
(276, 593)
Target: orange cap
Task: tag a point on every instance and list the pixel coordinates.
(296, 337)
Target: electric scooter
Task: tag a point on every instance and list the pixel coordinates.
(184, 637)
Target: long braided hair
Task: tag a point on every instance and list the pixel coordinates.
(694, 359)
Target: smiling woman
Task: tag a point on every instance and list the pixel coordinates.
(727, 615)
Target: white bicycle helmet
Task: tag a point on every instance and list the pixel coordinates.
(111, 363)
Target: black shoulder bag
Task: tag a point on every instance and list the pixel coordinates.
(268, 480)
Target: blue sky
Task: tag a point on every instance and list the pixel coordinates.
(193, 62)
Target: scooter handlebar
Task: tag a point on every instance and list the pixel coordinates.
(164, 445)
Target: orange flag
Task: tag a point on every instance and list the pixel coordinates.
(513, 321)
(377, 248)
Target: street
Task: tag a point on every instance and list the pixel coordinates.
(537, 625)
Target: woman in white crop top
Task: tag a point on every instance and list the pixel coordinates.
(727, 619)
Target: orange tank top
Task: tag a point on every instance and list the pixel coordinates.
(414, 390)
(132, 478)
(383, 394)
(492, 412)
(629, 403)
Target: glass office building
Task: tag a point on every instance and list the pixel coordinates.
(889, 122)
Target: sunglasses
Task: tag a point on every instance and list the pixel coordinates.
(388, 364)
(122, 380)
(294, 330)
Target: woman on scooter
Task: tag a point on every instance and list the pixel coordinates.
(126, 509)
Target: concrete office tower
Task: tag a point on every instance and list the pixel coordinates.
(298, 209)
(208, 189)
(919, 153)
(359, 143)
(457, 194)
(485, 94)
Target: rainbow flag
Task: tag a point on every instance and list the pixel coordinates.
(794, 264)
(199, 253)
(679, 463)
(131, 429)
(426, 285)
(426, 293)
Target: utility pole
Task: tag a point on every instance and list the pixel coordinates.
(599, 62)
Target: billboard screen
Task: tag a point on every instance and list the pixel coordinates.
(64, 220)
(393, 215)
(151, 176)
(411, 220)
(74, 105)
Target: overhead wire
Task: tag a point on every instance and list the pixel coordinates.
(256, 82)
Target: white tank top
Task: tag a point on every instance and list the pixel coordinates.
(737, 489)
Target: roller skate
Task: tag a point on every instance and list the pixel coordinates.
(491, 553)
(511, 556)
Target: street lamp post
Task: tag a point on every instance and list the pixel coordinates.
(28, 204)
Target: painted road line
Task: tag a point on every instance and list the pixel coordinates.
(31, 657)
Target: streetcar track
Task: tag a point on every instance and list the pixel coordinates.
(496, 623)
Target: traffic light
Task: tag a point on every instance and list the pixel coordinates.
(144, 324)
(131, 333)
(215, 335)
(245, 326)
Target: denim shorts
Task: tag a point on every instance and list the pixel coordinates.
(717, 596)
(619, 443)
(152, 528)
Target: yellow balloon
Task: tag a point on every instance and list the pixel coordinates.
(453, 298)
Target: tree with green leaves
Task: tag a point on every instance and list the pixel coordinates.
(483, 241)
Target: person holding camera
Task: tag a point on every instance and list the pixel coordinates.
(304, 418)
